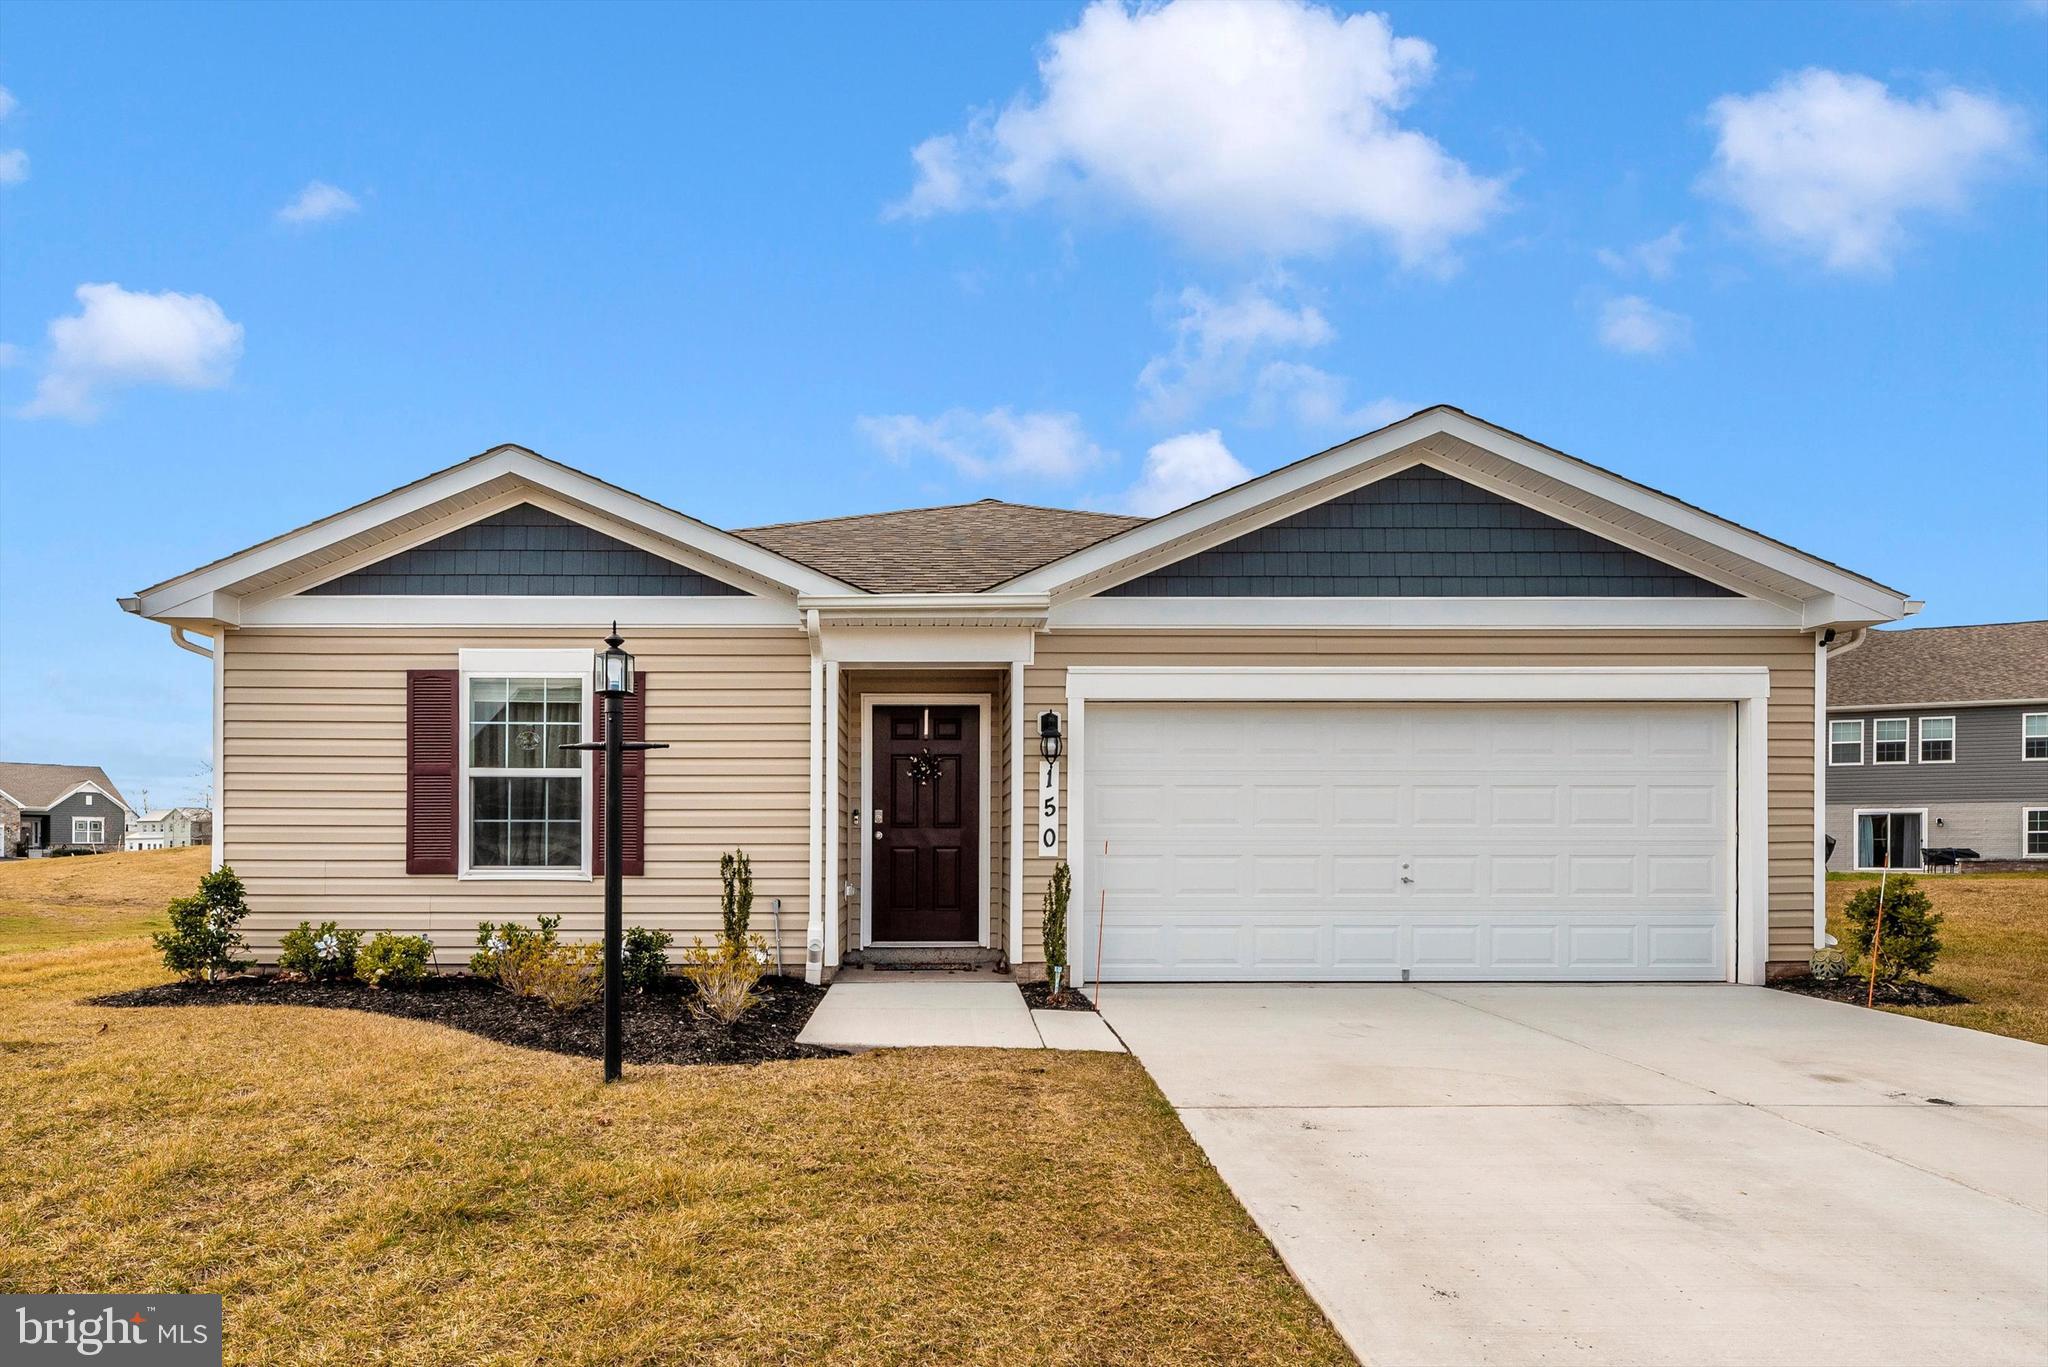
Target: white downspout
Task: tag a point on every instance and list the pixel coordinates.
(814, 931)
(184, 642)
(1822, 649)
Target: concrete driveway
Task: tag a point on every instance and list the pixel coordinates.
(1622, 1174)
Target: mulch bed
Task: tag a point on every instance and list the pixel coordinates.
(1038, 996)
(659, 1027)
(1855, 990)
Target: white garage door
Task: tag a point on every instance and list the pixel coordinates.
(1297, 841)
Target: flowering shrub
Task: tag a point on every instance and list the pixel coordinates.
(320, 955)
(202, 940)
(563, 976)
(496, 943)
(644, 962)
(724, 975)
(395, 960)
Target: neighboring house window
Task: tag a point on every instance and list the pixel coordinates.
(2034, 736)
(1888, 739)
(2034, 833)
(1937, 740)
(526, 808)
(1845, 742)
(1889, 839)
(88, 830)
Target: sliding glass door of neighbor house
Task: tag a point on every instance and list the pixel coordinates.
(1893, 834)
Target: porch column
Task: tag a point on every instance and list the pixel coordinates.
(835, 818)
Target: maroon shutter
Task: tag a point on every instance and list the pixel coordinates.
(632, 788)
(432, 733)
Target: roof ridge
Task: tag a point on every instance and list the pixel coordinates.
(933, 508)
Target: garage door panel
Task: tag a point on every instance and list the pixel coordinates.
(1284, 842)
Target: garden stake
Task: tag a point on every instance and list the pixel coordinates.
(1877, 931)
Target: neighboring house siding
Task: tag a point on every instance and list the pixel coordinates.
(1987, 764)
(76, 805)
(314, 784)
(527, 550)
(1789, 656)
(1420, 533)
(1992, 829)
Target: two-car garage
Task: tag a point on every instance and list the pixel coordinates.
(1391, 840)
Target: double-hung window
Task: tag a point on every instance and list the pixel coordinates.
(1889, 737)
(1845, 742)
(526, 807)
(1937, 740)
(88, 830)
(2034, 735)
(2034, 833)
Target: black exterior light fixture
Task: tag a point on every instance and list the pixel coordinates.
(1050, 742)
(612, 680)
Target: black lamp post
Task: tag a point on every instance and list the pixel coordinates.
(612, 680)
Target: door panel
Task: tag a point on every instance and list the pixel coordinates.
(927, 845)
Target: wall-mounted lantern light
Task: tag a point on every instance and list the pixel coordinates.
(1050, 743)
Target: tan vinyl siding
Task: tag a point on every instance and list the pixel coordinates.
(314, 783)
(1788, 655)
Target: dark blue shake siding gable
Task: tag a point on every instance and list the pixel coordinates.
(527, 551)
(1419, 534)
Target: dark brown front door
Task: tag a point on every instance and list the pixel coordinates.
(927, 831)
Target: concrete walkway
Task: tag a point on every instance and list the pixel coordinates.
(1622, 1174)
(913, 1010)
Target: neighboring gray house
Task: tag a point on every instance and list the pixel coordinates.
(170, 828)
(1938, 738)
(53, 806)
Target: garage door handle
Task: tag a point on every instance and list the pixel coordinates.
(1406, 879)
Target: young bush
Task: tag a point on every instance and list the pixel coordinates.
(1053, 928)
(202, 941)
(724, 975)
(320, 955)
(495, 943)
(736, 902)
(563, 976)
(394, 961)
(645, 960)
(1911, 938)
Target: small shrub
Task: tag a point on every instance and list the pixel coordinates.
(495, 943)
(202, 942)
(1911, 938)
(736, 901)
(563, 976)
(395, 961)
(1053, 929)
(724, 975)
(320, 954)
(644, 962)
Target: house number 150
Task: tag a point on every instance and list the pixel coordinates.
(1049, 808)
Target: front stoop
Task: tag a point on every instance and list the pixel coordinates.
(926, 959)
(909, 1011)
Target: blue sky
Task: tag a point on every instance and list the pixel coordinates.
(1789, 262)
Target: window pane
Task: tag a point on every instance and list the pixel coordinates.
(527, 748)
(486, 699)
(1938, 728)
(526, 846)
(487, 798)
(565, 845)
(486, 746)
(2037, 724)
(1845, 731)
(528, 798)
(529, 699)
(1892, 730)
(2037, 747)
(487, 845)
(565, 799)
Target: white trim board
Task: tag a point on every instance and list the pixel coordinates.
(984, 704)
(1746, 687)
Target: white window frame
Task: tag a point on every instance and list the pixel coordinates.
(484, 663)
(98, 826)
(1834, 763)
(2026, 717)
(1907, 754)
(2026, 814)
(1922, 756)
(1856, 845)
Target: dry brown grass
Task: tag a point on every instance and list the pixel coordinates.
(49, 902)
(1994, 948)
(366, 1189)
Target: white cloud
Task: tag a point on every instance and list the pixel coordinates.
(1657, 258)
(317, 203)
(1051, 447)
(1832, 164)
(1265, 125)
(1319, 401)
(10, 355)
(13, 166)
(120, 339)
(8, 104)
(1182, 469)
(1214, 343)
(1634, 326)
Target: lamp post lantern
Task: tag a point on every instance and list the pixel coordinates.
(612, 680)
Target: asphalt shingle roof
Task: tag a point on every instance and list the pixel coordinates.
(1998, 662)
(38, 785)
(957, 548)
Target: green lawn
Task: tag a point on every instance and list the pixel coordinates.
(1994, 948)
(366, 1189)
